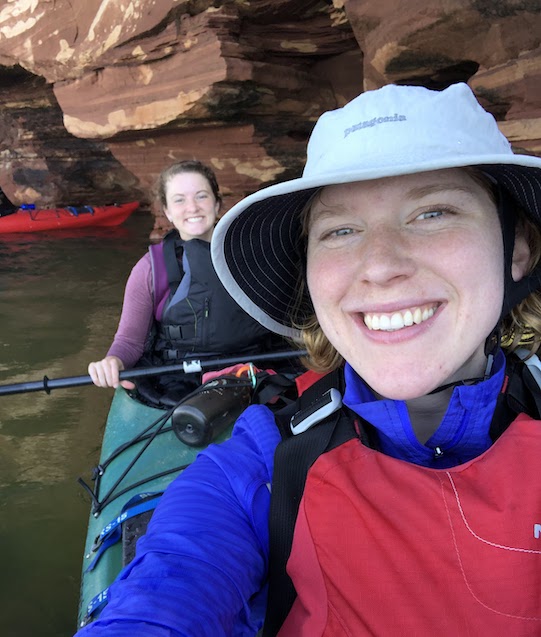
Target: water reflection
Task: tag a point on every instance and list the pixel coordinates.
(61, 294)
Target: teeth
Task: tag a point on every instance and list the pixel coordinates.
(398, 320)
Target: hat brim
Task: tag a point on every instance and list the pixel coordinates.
(257, 249)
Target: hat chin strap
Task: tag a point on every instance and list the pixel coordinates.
(513, 291)
(492, 345)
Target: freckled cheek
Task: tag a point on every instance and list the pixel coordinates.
(326, 281)
(313, 280)
(478, 278)
(316, 274)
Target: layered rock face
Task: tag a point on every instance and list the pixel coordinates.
(100, 95)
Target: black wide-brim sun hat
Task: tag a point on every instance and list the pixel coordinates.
(257, 248)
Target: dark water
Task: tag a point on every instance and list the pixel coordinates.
(60, 299)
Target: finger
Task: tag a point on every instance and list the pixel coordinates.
(96, 373)
(92, 373)
(102, 376)
(112, 373)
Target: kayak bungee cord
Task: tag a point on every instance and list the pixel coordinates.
(98, 472)
(158, 425)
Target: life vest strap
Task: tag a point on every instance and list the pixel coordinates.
(172, 253)
(292, 460)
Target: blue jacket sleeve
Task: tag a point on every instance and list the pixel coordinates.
(201, 568)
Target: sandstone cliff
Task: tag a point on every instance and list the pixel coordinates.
(98, 95)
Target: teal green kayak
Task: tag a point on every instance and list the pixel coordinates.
(140, 456)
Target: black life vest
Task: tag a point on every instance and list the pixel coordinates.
(199, 318)
(194, 317)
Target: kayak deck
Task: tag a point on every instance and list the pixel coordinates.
(164, 458)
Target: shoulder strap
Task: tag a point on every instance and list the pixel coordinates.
(166, 270)
(311, 388)
(293, 458)
(172, 253)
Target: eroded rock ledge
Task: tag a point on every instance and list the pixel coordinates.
(99, 95)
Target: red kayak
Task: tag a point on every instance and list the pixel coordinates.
(41, 219)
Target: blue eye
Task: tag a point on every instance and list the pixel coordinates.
(337, 233)
(341, 232)
(430, 214)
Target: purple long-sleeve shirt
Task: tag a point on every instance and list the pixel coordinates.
(136, 317)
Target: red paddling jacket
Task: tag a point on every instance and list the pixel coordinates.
(462, 544)
(417, 550)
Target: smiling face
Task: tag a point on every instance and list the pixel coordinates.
(406, 277)
(191, 205)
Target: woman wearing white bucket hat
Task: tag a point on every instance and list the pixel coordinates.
(405, 491)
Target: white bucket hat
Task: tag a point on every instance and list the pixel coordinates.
(257, 248)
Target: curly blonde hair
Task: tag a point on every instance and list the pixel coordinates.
(520, 328)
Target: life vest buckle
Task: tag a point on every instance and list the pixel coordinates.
(317, 411)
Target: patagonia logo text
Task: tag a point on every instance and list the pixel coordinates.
(537, 531)
(373, 122)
